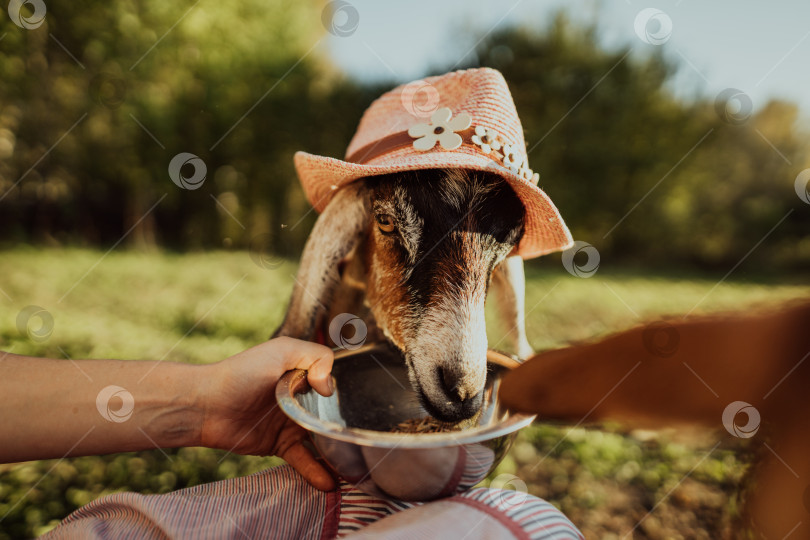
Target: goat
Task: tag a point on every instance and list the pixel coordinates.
(413, 255)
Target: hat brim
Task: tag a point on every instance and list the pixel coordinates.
(545, 231)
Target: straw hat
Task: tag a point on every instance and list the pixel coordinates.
(463, 119)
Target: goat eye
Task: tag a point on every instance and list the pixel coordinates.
(385, 223)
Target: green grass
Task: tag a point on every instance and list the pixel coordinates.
(202, 307)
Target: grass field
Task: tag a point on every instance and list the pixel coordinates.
(205, 306)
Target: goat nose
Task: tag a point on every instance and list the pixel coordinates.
(453, 385)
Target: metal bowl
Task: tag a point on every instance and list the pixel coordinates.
(350, 429)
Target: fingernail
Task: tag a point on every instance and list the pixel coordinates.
(331, 384)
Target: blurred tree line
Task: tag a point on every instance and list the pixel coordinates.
(136, 92)
(96, 102)
(644, 177)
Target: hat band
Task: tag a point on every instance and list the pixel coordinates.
(450, 134)
(395, 141)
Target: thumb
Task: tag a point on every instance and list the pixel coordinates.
(316, 359)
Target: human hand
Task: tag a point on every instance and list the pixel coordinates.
(241, 414)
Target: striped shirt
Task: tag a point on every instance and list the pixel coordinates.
(278, 503)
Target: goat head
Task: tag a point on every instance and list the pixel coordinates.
(425, 245)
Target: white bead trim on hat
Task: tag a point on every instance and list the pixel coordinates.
(443, 128)
(487, 139)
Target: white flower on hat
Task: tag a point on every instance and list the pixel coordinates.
(487, 139)
(442, 128)
(527, 174)
(512, 158)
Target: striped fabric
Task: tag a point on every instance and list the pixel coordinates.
(536, 518)
(477, 462)
(358, 509)
(473, 519)
(278, 503)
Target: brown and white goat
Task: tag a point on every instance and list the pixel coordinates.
(413, 255)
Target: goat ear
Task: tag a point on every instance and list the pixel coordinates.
(509, 290)
(338, 231)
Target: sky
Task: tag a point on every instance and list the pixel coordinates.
(761, 48)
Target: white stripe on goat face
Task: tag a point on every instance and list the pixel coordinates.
(448, 354)
(452, 339)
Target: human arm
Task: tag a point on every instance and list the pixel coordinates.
(56, 408)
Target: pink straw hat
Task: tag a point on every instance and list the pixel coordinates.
(464, 119)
